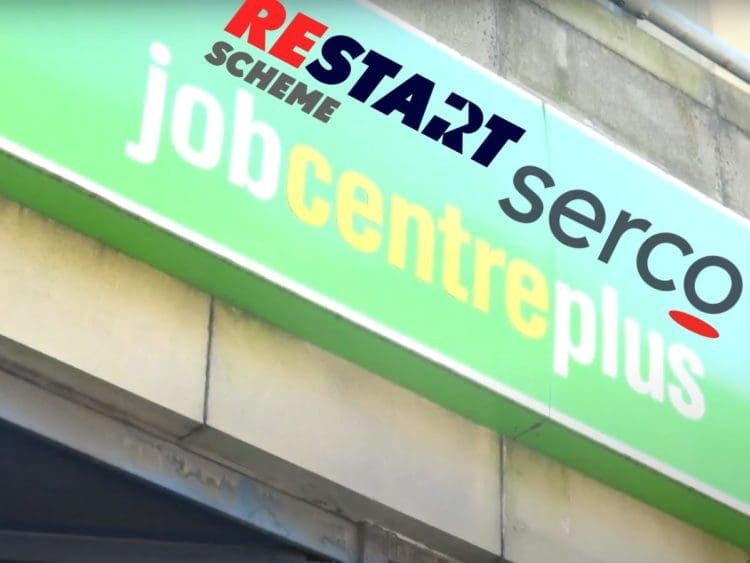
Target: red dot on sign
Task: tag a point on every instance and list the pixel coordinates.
(694, 324)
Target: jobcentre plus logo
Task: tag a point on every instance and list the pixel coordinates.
(323, 193)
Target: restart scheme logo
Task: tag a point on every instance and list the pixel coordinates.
(583, 328)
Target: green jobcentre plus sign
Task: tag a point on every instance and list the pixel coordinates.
(339, 174)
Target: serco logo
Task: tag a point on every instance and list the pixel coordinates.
(533, 208)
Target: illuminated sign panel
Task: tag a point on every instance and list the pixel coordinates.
(336, 173)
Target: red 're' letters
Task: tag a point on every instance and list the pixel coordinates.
(259, 16)
(256, 17)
